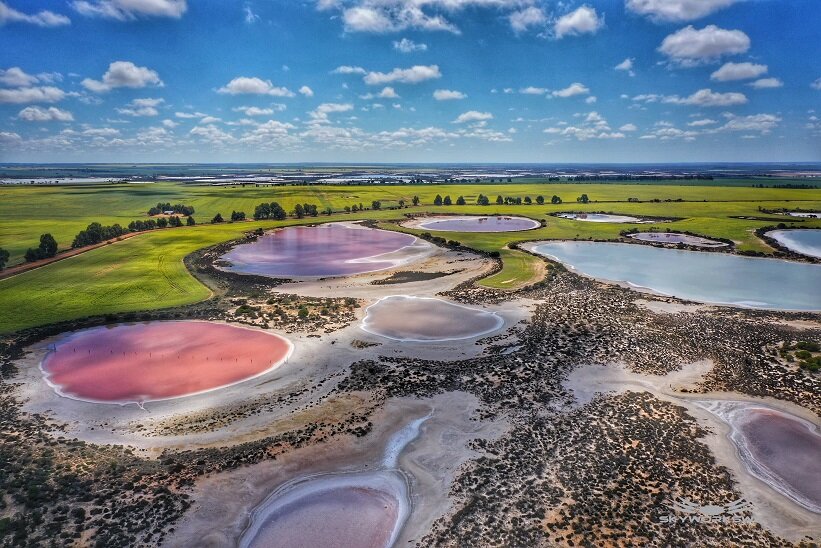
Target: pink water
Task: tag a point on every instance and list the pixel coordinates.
(787, 449)
(345, 517)
(159, 360)
(480, 224)
(325, 250)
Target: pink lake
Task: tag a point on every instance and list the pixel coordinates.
(332, 249)
(159, 360)
(479, 224)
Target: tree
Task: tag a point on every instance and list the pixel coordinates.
(499, 200)
(376, 204)
(438, 200)
(162, 222)
(217, 218)
(447, 201)
(483, 200)
(528, 201)
(348, 209)
(46, 249)
(583, 199)
(299, 211)
(190, 221)
(237, 216)
(555, 200)
(4, 258)
(401, 203)
(415, 200)
(460, 200)
(540, 200)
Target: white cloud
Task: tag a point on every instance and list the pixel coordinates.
(128, 10)
(590, 100)
(628, 127)
(738, 71)
(209, 120)
(123, 74)
(388, 93)
(676, 10)
(703, 97)
(409, 46)
(45, 94)
(9, 137)
(189, 115)
(101, 132)
(250, 16)
(766, 83)
(171, 124)
(346, 69)
(702, 122)
(572, 90)
(212, 134)
(473, 116)
(690, 46)
(17, 78)
(142, 107)
(306, 91)
(256, 111)
(50, 114)
(594, 126)
(763, 123)
(412, 75)
(43, 18)
(528, 17)
(583, 20)
(533, 90)
(448, 95)
(320, 114)
(626, 66)
(245, 85)
(816, 84)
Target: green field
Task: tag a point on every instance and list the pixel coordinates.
(146, 272)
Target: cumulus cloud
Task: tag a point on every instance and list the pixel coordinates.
(306, 91)
(412, 75)
(626, 66)
(448, 95)
(738, 71)
(690, 46)
(123, 74)
(50, 114)
(628, 127)
(533, 90)
(572, 90)
(320, 114)
(528, 17)
(763, 123)
(347, 69)
(583, 20)
(816, 84)
(16, 77)
(245, 85)
(142, 107)
(43, 94)
(128, 10)
(703, 97)
(44, 18)
(593, 126)
(676, 10)
(702, 122)
(766, 83)
(257, 111)
(473, 116)
(409, 46)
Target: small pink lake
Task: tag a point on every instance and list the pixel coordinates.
(159, 360)
(496, 223)
(332, 249)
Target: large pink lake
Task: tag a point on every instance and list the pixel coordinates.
(325, 250)
(496, 223)
(159, 360)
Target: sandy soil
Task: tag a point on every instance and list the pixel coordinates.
(771, 509)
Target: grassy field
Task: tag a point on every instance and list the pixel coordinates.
(146, 272)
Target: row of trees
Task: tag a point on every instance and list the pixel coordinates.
(96, 232)
(507, 200)
(151, 224)
(269, 211)
(4, 258)
(176, 208)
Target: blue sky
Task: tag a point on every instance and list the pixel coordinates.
(410, 80)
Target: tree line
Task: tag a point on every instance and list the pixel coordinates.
(483, 200)
(176, 208)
